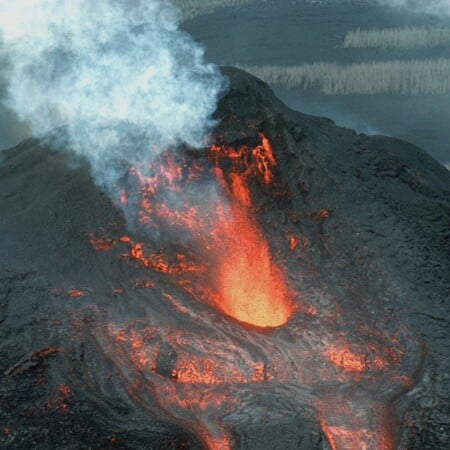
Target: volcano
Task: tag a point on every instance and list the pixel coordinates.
(284, 287)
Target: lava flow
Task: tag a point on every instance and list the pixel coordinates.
(225, 327)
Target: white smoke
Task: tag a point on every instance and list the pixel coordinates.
(437, 7)
(118, 75)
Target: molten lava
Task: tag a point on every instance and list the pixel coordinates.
(293, 243)
(251, 287)
(75, 293)
(246, 283)
(348, 425)
(159, 261)
(198, 365)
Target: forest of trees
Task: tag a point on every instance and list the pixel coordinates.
(398, 37)
(377, 77)
(194, 8)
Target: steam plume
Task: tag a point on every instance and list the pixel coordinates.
(117, 74)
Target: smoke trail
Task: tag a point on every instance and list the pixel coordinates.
(118, 75)
(439, 7)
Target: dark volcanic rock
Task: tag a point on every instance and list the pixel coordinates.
(372, 219)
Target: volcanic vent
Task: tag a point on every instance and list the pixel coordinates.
(227, 253)
(246, 305)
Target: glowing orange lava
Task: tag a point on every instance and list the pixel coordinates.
(251, 287)
(159, 261)
(75, 293)
(101, 244)
(200, 366)
(246, 283)
(293, 243)
(247, 163)
(349, 439)
(351, 426)
(346, 359)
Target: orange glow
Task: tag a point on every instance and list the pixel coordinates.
(240, 190)
(158, 261)
(265, 160)
(246, 164)
(188, 218)
(50, 351)
(144, 284)
(374, 357)
(321, 214)
(65, 390)
(102, 244)
(212, 372)
(217, 442)
(60, 401)
(123, 197)
(342, 438)
(346, 359)
(190, 369)
(293, 243)
(350, 426)
(258, 297)
(310, 310)
(204, 371)
(257, 161)
(75, 293)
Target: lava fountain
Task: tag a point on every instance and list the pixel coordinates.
(247, 284)
(255, 297)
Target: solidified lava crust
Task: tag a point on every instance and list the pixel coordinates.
(283, 287)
